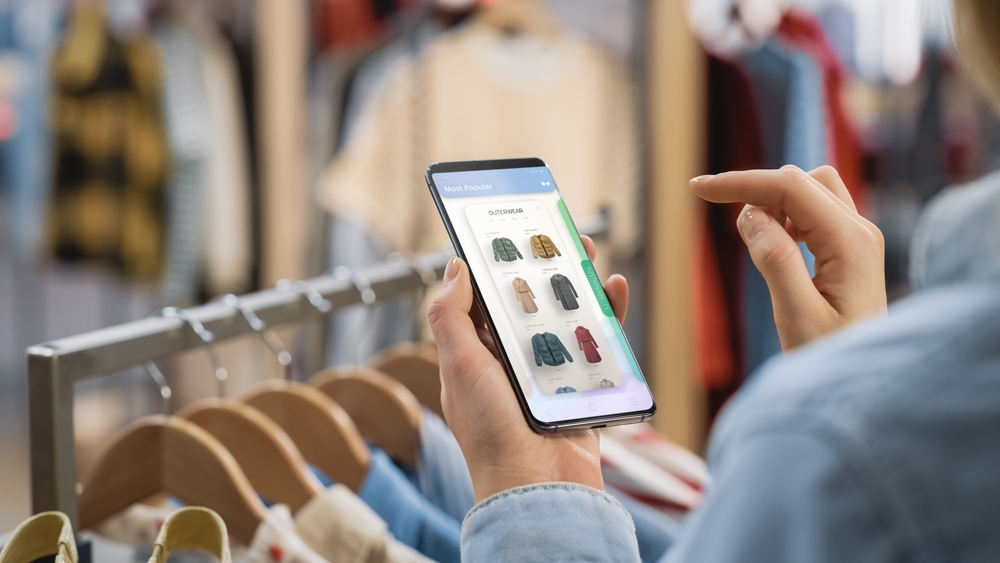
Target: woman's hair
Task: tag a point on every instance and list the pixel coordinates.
(977, 34)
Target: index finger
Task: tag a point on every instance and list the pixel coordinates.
(791, 189)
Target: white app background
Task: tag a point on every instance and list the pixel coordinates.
(518, 221)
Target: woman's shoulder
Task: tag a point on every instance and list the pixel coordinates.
(923, 341)
(907, 402)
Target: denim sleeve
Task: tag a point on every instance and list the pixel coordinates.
(787, 497)
(553, 522)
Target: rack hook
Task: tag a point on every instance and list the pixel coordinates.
(368, 297)
(426, 272)
(314, 297)
(207, 337)
(161, 382)
(260, 327)
(359, 282)
(428, 277)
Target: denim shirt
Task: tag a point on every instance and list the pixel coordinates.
(880, 443)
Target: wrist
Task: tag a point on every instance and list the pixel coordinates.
(489, 481)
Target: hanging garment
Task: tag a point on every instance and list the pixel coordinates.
(442, 475)
(805, 31)
(479, 93)
(646, 442)
(226, 247)
(189, 128)
(564, 390)
(25, 153)
(44, 534)
(549, 350)
(525, 296)
(543, 247)
(277, 541)
(504, 249)
(195, 527)
(111, 157)
(734, 143)
(411, 518)
(335, 525)
(341, 528)
(789, 92)
(644, 480)
(588, 345)
(606, 384)
(137, 525)
(565, 292)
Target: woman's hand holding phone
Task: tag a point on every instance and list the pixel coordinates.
(787, 206)
(502, 451)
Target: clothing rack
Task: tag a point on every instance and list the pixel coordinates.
(54, 367)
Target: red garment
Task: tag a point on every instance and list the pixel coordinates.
(586, 342)
(344, 23)
(804, 31)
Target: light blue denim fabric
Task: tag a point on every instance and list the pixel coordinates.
(788, 87)
(654, 530)
(880, 443)
(412, 519)
(443, 478)
(29, 30)
(552, 522)
(442, 475)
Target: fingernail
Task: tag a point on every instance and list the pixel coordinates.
(700, 178)
(753, 222)
(451, 270)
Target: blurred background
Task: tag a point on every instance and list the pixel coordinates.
(164, 152)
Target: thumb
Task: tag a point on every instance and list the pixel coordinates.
(780, 262)
(448, 314)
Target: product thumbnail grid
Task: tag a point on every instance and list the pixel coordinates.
(538, 278)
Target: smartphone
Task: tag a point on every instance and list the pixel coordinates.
(559, 341)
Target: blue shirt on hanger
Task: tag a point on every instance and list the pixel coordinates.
(412, 519)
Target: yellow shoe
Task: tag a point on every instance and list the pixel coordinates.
(48, 533)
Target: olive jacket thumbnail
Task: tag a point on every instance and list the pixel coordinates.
(504, 249)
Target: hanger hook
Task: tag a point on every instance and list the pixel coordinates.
(428, 276)
(314, 297)
(270, 339)
(426, 272)
(207, 337)
(368, 297)
(161, 382)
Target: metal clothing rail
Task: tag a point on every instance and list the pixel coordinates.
(54, 367)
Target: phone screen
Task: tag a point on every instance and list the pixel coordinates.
(566, 348)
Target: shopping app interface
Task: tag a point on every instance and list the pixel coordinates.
(566, 347)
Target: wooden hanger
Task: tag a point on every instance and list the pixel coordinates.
(266, 454)
(169, 454)
(520, 17)
(321, 429)
(383, 409)
(417, 367)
